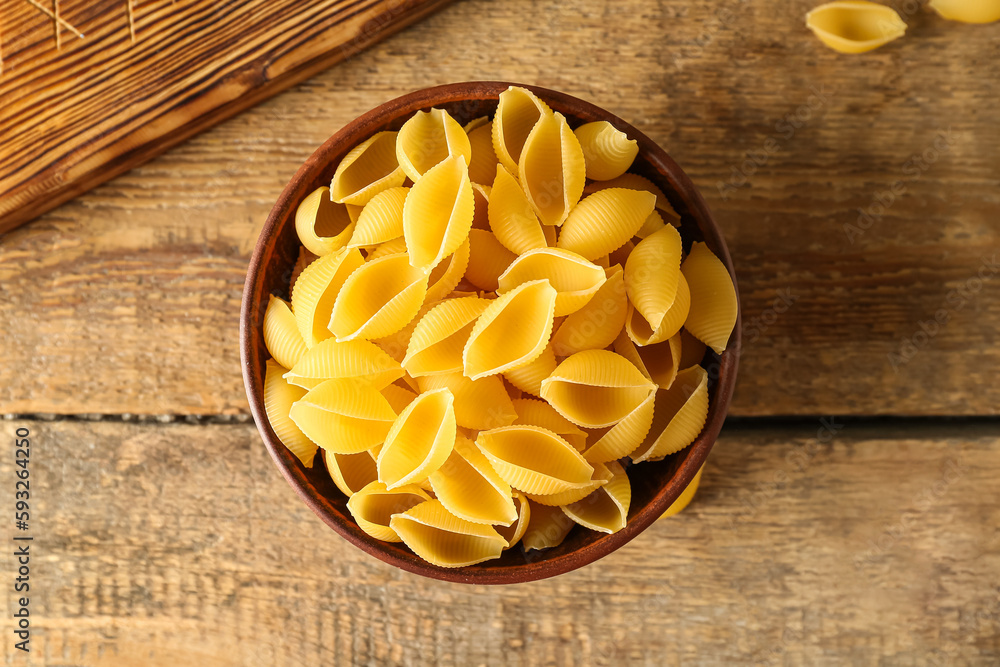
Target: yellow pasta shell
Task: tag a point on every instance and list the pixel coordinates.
(652, 273)
(445, 276)
(968, 11)
(678, 418)
(597, 324)
(623, 438)
(533, 412)
(322, 225)
(575, 279)
(601, 477)
(479, 404)
(714, 307)
(374, 506)
(534, 460)
(596, 388)
(488, 259)
(378, 299)
(512, 331)
(511, 216)
(428, 138)
(528, 377)
(420, 440)
(358, 360)
(642, 334)
(281, 333)
(552, 170)
(483, 164)
(442, 539)
(515, 531)
(395, 345)
(304, 259)
(517, 112)
(315, 292)
(398, 396)
(659, 362)
(692, 350)
(855, 26)
(608, 151)
(469, 487)
(620, 255)
(481, 198)
(653, 224)
(687, 495)
(393, 247)
(438, 212)
(547, 527)
(381, 219)
(635, 182)
(606, 509)
(367, 170)
(350, 472)
(278, 399)
(343, 417)
(440, 336)
(604, 221)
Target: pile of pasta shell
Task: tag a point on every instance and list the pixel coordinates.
(485, 323)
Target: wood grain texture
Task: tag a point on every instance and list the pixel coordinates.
(130, 80)
(127, 298)
(177, 544)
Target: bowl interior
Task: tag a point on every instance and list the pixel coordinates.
(654, 485)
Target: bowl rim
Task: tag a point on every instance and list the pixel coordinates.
(294, 473)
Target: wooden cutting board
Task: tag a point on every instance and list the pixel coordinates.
(92, 88)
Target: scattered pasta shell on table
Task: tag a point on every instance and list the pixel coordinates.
(534, 460)
(281, 333)
(639, 329)
(552, 171)
(515, 531)
(596, 325)
(279, 396)
(378, 299)
(443, 539)
(479, 404)
(438, 213)
(343, 417)
(547, 527)
(446, 276)
(511, 216)
(374, 506)
(659, 361)
(575, 279)
(420, 440)
(427, 139)
(367, 170)
(321, 224)
(678, 417)
(350, 472)
(469, 487)
(855, 26)
(630, 181)
(512, 331)
(488, 259)
(606, 509)
(381, 219)
(600, 477)
(596, 388)
(357, 360)
(528, 377)
(714, 306)
(968, 11)
(652, 273)
(607, 150)
(484, 161)
(622, 438)
(316, 291)
(440, 336)
(604, 221)
(535, 412)
(517, 113)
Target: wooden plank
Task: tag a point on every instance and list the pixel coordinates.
(93, 89)
(161, 544)
(127, 298)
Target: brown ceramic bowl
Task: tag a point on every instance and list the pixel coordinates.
(654, 485)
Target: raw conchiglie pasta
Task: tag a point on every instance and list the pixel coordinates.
(534, 460)
(278, 399)
(692, 350)
(552, 170)
(281, 334)
(635, 182)
(608, 151)
(488, 259)
(469, 487)
(620, 256)
(679, 416)
(395, 345)
(438, 213)
(622, 438)
(511, 217)
(481, 197)
(445, 276)
(428, 138)
(574, 278)
(304, 259)
(350, 472)
(515, 531)
(420, 440)
(378, 299)
(322, 225)
(855, 26)
(600, 477)
(440, 336)
(398, 396)
(343, 417)
(547, 527)
(480, 404)
(606, 509)
(551, 235)
(652, 273)
(642, 334)
(713, 298)
(442, 539)
(374, 506)
(512, 331)
(367, 170)
(687, 495)
(316, 291)
(604, 221)
(659, 362)
(381, 219)
(968, 11)
(653, 224)
(528, 378)
(517, 112)
(483, 165)
(596, 325)
(533, 412)
(393, 247)
(358, 360)
(596, 388)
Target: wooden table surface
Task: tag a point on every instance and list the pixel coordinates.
(848, 514)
